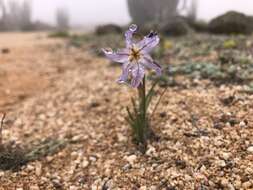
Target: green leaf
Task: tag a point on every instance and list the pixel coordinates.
(151, 93)
(134, 106)
(130, 115)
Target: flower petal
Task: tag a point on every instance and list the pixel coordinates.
(148, 62)
(149, 42)
(129, 35)
(120, 56)
(137, 75)
(125, 72)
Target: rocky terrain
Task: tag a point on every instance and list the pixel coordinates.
(65, 118)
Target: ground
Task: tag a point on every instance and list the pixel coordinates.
(64, 107)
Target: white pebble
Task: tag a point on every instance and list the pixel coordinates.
(131, 159)
(250, 149)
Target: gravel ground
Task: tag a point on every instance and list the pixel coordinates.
(205, 132)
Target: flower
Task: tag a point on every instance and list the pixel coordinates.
(135, 57)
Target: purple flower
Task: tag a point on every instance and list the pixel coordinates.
(135, 57)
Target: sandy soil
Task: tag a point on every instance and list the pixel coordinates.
(51, 91)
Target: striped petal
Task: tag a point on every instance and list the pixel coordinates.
(149, 42)
(129, 35)
(148, 62)
(120, 56)
(125, 73)
(138, 73)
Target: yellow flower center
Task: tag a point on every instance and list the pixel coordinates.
(135, 55)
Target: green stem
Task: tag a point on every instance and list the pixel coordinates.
(144, 100)
(1, 129)
(142, 109)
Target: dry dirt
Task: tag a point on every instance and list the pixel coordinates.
(52, 91)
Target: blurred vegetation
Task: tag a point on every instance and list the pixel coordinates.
(59, 34)
(62, 19)
(219, 59)
(231, 22)
(13, 157)
(108, 29)
(17, 16)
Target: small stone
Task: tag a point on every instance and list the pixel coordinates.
(38, 169)
(131, 159)
(72, 187)
(57, 184)
(231, 187)
(5, 50)
(225, 155)
(85, 164)
(1, 174)
(121, 137)
(50, 158)
(242, 124)
(30, 168)
(238, 184)
(42, 117)
(76, 138)
(143, 188)
(246, 185)
(151, 151)
(250, 149)
(224, 182)
(34, 187)
(93, 158)
(126, 167)
(221, 163)
(203, 169)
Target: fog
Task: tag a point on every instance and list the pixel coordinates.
(93, 12)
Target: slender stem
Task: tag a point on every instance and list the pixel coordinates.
(1, 129)
(144, 100)
(158, 102)
(142, 110)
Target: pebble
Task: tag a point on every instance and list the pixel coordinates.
(246, 185)
(76, 138)
(57, 184)
(30, 168)
(143, 188)
(238, 184)
(224, 182)
(131, 159)
(225, 155)
(151, 151)
(93, 158)
(34, 187)
(72, 187)
(50, 158)
(242, 124)
(85, 164)
(126, 167)
(221, 163)
(38, 169)
(121, 138)
(1, 174)
(250, 149)
(231, 187)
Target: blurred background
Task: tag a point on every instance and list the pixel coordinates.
(85, 15)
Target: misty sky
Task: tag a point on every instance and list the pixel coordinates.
(85, 12)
